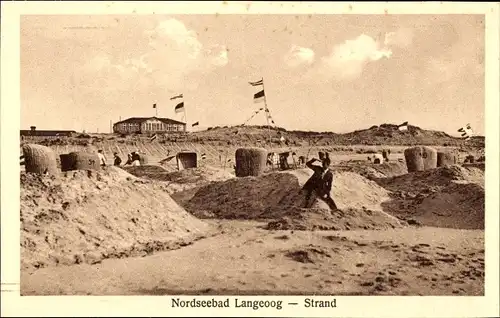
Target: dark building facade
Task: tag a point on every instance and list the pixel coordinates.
(33, 132)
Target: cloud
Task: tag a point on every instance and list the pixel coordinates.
(348, 59)
(173, 58)
(298, 56)
(400, 38)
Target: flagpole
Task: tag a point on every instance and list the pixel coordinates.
(185, 116)
(156, 109)
(267, 110)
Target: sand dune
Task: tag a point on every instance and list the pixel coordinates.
(257, 238)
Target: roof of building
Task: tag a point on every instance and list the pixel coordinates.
(138, 120)
(29, 132)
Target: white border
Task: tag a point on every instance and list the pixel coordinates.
(14, 305)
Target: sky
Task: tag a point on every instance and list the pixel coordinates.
(335, 73)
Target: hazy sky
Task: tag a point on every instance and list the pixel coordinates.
(321, 72)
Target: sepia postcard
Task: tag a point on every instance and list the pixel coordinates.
(238, 159)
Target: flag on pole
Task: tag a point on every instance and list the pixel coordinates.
(466, 131)
(258, 83)
(154, 105)
(179, 108)
(176, 97)
(153, 137)
(259, 97)
(403, 126)
(195, 124)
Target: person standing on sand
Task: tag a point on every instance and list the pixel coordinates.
(129, 159)
(136, 158)
(102, 159)
(320, 183)
(118, 160)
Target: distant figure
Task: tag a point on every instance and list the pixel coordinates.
(320, 182)
(283, 161)
(102, 159)
(302, 160)
(129, 159)
(385, 155)
(136, 158)
(118, 160)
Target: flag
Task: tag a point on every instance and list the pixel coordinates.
(195, 124)
(154, 105)
(403, 126)
(176, 96)
(153, 137)
(466, 131)
(179, 108)
(260, 82)
(259, 97)
(203, 156)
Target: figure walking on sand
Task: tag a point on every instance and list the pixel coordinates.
(102, 159)
(320, 183)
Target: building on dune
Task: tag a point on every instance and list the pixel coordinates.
(148, 125)
(33, 132)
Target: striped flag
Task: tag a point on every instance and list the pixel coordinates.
(258, 83)
(153, 137)
(195, 124)
(403, 126)
(259, 97)
(176, 97)
(203, 156)
(179, 107)
(466, 131)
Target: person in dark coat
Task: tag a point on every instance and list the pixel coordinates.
(320, 183)
(118, 160)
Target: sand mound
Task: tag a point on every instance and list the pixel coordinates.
(444, 197)
(459, 206)
(309, 254)
(326, 220)
(439, 177)
(274, 194)
(181, 180)
(278, 196)
(375, 171)
(84, 217)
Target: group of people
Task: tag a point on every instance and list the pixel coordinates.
(133, 159)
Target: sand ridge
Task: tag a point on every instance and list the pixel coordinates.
(257, 238)
(87, 216)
